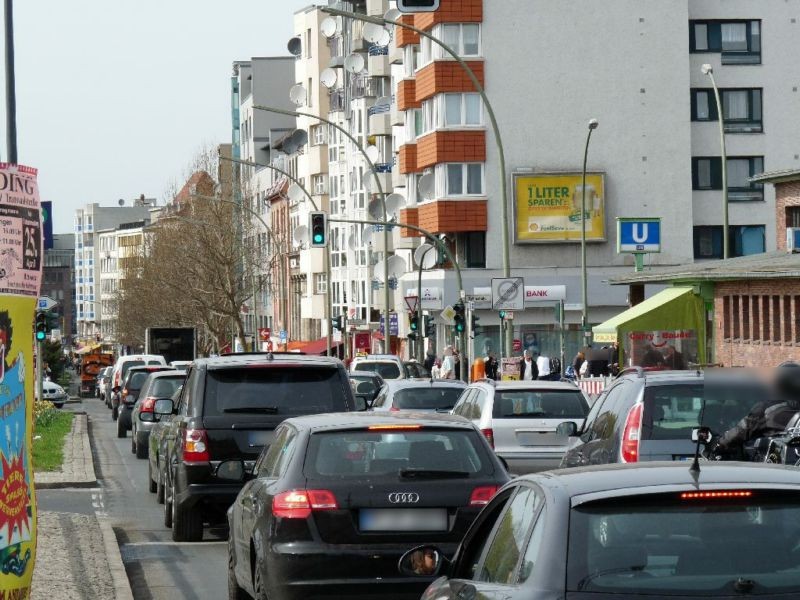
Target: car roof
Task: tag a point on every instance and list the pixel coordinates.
(356, 420)
(541, 384)
(176, 373)
(391, 357)
(128, 357)
(266, 359)
(424, 382)
(612, 478)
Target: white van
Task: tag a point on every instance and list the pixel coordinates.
(387, 366)
(120, 370)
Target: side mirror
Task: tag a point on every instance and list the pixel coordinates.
(361, 403)
(231, 470)
(147, 417)
(422, 561)
(567, 429)
(163, 407)
(702, 435)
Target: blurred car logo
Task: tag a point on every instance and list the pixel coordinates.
(404, 498)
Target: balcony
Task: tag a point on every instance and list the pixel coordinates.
(336, 99)
(365, 86)
(380, 120)
(378, 61)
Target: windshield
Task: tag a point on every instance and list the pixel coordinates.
(669, 544)
(278, 390)
(539, 404)
(387, 370)
(164, 387)
(422, 398)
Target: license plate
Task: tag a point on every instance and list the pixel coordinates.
(684, 458)
(402, 519)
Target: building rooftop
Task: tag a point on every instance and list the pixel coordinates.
(784, 175)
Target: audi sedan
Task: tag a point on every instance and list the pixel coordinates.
(335, 500)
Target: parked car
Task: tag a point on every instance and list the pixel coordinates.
(229, 409)
(159, 384)
(156, 453)
(132, 385)
(649, 415)
(54, 393)
(416, 370)
(181, 365)
(102, 382)
(624, 531)
(520, 418)
(387, 366)
(439, 395)
(366, 384)
(337, 498)
(121, 369)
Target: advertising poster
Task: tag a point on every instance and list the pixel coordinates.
(675, 349)
(509, 368)
(548, 207)
(20, 277)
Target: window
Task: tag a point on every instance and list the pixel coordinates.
(459, 179)
(744, 240)
(463, 38)
(738, 41)
(707, 175)
(475, 249)
(462, 109)
(741, 108)
(793, 216)
(320, 283)
(317, 135)
(319, 184)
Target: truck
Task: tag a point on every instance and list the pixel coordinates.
(91, 365)
(173, 343)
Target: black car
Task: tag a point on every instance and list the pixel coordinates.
(657, 531)
(228, 409)
(649, 415)
(131, 385)
(337, 499)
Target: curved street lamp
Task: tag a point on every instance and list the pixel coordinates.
(593, 123)
(707, 69)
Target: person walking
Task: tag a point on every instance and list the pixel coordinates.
(491, 366)
(457, 363)
(527, 368)
(448, 364)
(436, 369)
(577, 364)
(543, 367)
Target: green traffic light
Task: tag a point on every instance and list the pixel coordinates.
(318, 238)
(40, 335)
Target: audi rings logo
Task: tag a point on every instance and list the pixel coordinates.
(403, 497)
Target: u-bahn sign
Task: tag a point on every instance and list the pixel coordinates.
(638, 235)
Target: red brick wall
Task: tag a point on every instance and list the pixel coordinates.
(786, 194)
(446, 76)
(403, 36)
(408, 158)
(450, 216)
(756, 322)
(410, 216)
(406, 95)
(451, 146)
(452, 11)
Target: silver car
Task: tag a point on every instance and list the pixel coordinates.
(158, 385)
(519, 418)
(439, 395)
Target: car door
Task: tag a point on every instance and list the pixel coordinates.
(175, 426)
(576, 455)
(602, 446)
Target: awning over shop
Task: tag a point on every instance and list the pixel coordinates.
(674, 308)
(319, 346)
(87, 349)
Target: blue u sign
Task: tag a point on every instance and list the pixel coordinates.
(639, 235)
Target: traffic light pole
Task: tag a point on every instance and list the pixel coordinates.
(39, 370)
(420, 320)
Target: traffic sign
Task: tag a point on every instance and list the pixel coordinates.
(264, 333)
(516, 345)
(412, 302)
(448, 315)
(638, 235)
(283, 336)
(46, 303)
(508, 293)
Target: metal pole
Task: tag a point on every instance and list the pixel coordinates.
(561, 333)
(421, 341)
(11, 93)
(584, 293)
(39, 359)
(721, 118)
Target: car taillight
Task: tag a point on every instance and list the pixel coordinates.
(147, 404)
(489, 435)
(631, 434)
(482, 495)
(394, 409)
(726, 494)
(298, 504)
(194, 446)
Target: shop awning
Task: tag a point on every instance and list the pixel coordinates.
(87, 349)
(319, 346)
(670, 309)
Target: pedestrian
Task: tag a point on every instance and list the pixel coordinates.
(543, 366)
(448, 364)
(527, 368)
(652, 357)
(430, 360)
(491, 366)
(436, 369)
(456, 363)
(674, 359)
(577, 364)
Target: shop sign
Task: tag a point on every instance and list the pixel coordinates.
(550, 293)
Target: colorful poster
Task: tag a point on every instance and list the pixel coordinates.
(677, 349)
(548, 207)
(20, 276)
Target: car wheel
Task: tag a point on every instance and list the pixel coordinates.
(141, 448)
(159, 485)
(114, 413)
(121, 433)
(258, 585)
(59, 405)
(167, 502)
(151, 484)
(187, 524)
(234, 591)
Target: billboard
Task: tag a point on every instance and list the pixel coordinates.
(547, 207)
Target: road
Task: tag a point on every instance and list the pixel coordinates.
(157, 567)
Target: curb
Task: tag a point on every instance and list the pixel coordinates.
(119, 577)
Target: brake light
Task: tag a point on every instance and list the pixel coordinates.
(194, 446)
(298, 504)
(393, 427)
(715, 495)
(482, 495)
(394, 409)
(631, 434)
(147, 404)
(489, 435)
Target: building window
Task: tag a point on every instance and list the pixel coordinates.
(462, 109)
(319, 184)
(475, 249)
(744, 240)
(459, 179)
(463, 38)
(739, 42)
(793, 216)
(707, 175)
(317, 135)
(320, 283)
(740, 107)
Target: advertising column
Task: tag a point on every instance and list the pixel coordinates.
(20, 278)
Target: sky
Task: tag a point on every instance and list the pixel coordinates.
(115, 97)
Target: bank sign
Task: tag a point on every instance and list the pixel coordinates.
(547, 207)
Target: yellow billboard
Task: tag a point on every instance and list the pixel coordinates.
(547, 207)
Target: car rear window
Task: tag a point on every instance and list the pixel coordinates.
(392, 454)
(387, 370)
(427, 398)
(539, 404)
(275, 390)
(164, 387)
(130, 363)
(136, 380)
(668, 544)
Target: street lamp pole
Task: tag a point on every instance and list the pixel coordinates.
(584, 292)
(709, 70)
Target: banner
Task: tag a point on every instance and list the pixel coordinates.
(20, 277)
(548, 207)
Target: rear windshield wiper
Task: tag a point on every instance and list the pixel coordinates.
(432, 474)
(269, 410)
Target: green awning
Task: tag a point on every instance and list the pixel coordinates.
(671, 309)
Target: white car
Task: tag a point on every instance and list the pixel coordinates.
(387, 366)
(54, 393)
(121, 369)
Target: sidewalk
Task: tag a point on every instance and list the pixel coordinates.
(77, 469)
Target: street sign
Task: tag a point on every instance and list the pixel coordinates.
(283, 336)
(393, 324)
(509, 314)
(638, 235)
(46, 303)
(508, 293)
(264, 333)
(448, 315)
(412, 302)
(336, 336)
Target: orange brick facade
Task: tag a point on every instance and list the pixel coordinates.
(403, 36)
(451, 146)
(411, 217)
(407, 95)
(451, 11)
(446, 76)
(453, 216)
(408, 158)
(786, 195)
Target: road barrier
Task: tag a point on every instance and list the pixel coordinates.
(592, 386)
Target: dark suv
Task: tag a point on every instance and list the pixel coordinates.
(649, 415)
(228, 409)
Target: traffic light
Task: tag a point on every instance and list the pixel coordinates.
(337, 322)
(41, 326)
(430, 326)
(502, 315)
(459, 318)
(417, 5)
(318, 229)
(413, 322)
(476, 329)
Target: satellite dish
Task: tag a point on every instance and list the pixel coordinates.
(351, 242)
(392, 15)
(121, 202)
(375, 209)
(295, 46)
(385, 38)
(394, 202)
(297, 94)
(295, 193)
(366, 234)
(372, 153)
(300, 235)
(328, 27)
(425, 256)
(372, 32)
(397, 266)
(289, 146)
(426, 186)
(328, 78)
(354, 63)
(299, 138)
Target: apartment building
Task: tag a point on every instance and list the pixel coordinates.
(58, 280)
